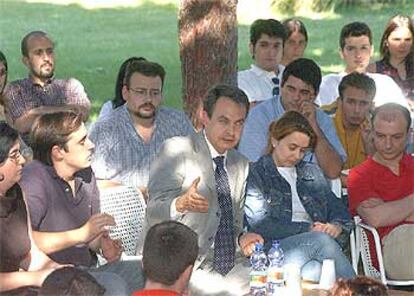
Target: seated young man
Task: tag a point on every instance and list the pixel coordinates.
(381, 190)
(356, 49)
(351, 115)
(262, 80)
(170, 251)
(63, 199)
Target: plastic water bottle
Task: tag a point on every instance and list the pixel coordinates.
(258, 275)
(275, 272)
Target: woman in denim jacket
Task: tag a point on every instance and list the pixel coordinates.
(290, 200)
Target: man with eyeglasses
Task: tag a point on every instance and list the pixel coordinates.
(127, 140)
(262, 80)
(300, 85)
(41, 93)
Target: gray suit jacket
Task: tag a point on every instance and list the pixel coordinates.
(180, 161)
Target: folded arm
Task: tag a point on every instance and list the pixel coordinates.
(378, 213)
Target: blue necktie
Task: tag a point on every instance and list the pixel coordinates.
(224, 247)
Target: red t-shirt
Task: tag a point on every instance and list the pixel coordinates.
(371, 179)
(155, 293)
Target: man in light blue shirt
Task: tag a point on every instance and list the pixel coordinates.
(300, 85)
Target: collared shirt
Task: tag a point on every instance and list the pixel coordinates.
(54, 207)
(255, 132)
(120, 152)
(257, 83)
(25, 95)
(387, 90)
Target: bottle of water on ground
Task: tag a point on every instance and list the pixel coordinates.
(275, 274)
(258, 274)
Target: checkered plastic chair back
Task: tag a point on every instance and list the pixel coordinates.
(127, 205)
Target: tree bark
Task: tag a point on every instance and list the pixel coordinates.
(208, 50)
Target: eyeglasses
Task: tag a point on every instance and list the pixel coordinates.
(143, 92)
(276, 88)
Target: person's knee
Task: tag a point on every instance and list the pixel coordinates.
(327, 243)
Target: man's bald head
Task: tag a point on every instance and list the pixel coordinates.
(392, 112)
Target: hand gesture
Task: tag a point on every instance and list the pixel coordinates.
(111, 249)
(192, 201)
(367, 136)
(96, 225)
(333, 230)
(248, 240)
(308, 109)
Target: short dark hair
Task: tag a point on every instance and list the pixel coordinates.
(224, 90)
(295, 25)
(8, 137)
(23, 45)
(146, 68)
(270, 27)
(390, 108)
(71, 281)
(360, 81)
(306, 70)
(53, 129)
(354, 29)
(118, 99)
(169, 248)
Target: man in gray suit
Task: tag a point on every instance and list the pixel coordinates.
(199, 180)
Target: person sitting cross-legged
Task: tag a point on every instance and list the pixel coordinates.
(199, 180)
(290, 200)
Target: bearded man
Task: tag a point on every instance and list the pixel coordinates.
(127, 140)
(40, 92)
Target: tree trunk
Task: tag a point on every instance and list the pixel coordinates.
(208, 50)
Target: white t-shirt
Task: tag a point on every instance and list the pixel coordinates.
(387, 90)
(299, 213)
(257, 83)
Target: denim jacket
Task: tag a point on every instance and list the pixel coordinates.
(268, 206)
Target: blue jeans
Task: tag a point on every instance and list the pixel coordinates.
(309, 249)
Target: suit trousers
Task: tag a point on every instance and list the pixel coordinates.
(206, 281)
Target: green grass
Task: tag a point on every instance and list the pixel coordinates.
(91, 44)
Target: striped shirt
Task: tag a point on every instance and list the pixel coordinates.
(121, 154)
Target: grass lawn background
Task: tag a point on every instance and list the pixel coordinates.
(92, 43)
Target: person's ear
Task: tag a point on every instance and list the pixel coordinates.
(274, 142)
(25, 61)
(205, 119)
(125, 93)
(372, 51)
(57, 153)
(341, 53)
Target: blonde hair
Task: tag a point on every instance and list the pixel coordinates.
(289, 123)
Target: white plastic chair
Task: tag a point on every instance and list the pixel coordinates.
(127, 206)
(360, 249)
